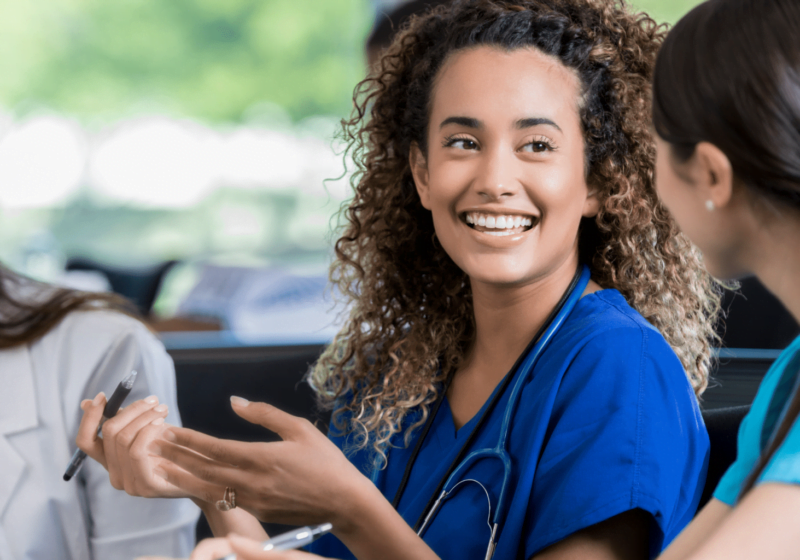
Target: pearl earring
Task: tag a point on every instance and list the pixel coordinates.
(710, 205)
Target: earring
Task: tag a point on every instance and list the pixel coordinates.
(710, 205)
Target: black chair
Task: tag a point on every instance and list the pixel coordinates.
(756, 319)
(723, 429)
(140, 285)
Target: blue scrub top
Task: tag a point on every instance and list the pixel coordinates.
(773, 396)
(606, 423)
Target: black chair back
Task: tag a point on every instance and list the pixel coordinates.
(140, 285)
(723, 429)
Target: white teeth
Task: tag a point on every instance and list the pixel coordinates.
(492, 221)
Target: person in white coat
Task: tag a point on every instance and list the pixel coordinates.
(58, 347)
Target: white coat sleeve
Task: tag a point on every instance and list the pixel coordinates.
(123, 526)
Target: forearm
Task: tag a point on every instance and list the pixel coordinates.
(372, 529)
(235, 520)
(698, 531)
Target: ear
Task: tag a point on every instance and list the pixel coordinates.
(713, 173)
(591, 205)
(419, 171)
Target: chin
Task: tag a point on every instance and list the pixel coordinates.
(499, 278)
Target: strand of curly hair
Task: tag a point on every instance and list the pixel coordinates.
(411, 319)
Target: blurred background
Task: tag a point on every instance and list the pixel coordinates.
(184, 153)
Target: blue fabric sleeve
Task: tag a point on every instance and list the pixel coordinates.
(625, 433)
(785, 464)
(748, 443)
(730, 484)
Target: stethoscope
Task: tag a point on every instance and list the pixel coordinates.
(524, 368)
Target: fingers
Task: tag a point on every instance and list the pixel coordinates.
(208, 470)
(248, 549)
(87, 439)
(189, 483)
(116, 447)
(141, 461)
(274, 419)
(222, 450)
(127, 435)
(211, 549)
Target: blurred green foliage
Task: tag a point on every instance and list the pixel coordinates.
(665, 11)
(211, 59)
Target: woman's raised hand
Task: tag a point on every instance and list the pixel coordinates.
(304, 479)
(124, 448)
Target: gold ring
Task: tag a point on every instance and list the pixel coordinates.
(228, 500)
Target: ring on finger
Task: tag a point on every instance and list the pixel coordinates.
(228, 500)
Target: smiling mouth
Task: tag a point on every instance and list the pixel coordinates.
(499, 224)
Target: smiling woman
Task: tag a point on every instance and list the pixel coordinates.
(503, 166)
(528, 330)
(501, 145)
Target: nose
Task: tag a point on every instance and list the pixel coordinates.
(496, 176)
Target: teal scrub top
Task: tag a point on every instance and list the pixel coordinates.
(607, 423)
(764, 417)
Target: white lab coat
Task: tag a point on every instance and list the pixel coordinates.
(42, 517)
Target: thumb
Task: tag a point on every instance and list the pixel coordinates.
(266, 415)
(247, 549)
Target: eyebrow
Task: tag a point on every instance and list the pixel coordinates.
(536, 121)
(470, 122)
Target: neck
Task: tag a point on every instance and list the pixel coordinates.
(507, 318)
(775, 260)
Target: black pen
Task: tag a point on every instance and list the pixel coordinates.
(112, 406)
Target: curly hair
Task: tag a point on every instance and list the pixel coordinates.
(411, 319)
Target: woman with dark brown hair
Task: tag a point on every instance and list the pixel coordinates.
(57, 347)
(529, 330)
(727, 112)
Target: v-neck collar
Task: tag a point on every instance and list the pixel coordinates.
(448, 432)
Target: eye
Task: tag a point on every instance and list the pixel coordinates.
(460, 143)
(538, 146)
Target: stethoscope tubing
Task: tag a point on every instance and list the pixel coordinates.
(500, 451)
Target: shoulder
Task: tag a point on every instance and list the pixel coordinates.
(612, 358)
(607, 310)
(91, 342)
(605, 328)
(785, 464)
(103, 328)
(622, 403)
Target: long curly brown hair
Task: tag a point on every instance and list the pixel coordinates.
(411, 319)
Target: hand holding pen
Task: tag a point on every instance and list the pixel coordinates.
(243, 548)
(292, 540)
(109, 411)
(124, 448)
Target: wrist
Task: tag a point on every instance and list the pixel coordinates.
(204, 506)
(354, 507)
(370, 527)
